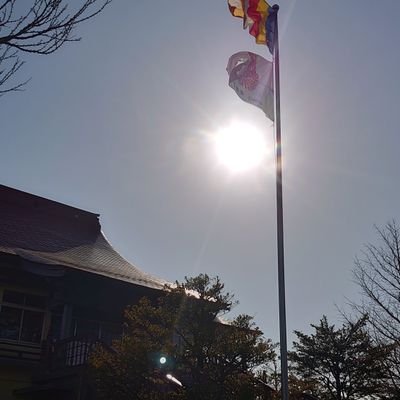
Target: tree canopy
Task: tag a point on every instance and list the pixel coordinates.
(210, 358)
(339, 363)
(377, 272)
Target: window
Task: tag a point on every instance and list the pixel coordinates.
(90, 329)
(21, 316)
(10, 322)
(55, 327)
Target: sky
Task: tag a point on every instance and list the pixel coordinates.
(119, 124)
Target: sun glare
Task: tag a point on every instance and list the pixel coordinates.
(240, 146)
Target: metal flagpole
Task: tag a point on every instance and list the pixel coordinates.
(279, 217)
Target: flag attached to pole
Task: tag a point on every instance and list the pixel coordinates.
(258, 16)
(250, 76)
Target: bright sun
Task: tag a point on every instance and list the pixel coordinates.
(240, 146)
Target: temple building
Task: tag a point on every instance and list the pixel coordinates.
(62, 289)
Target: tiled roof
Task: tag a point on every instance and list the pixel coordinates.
(46, 232)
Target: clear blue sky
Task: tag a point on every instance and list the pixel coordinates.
(115, 124)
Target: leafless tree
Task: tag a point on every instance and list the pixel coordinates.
(38, 27)
(377, 272)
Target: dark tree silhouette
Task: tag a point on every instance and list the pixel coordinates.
(212, 359)
(38, 27)
(377, 272)
(341, 363)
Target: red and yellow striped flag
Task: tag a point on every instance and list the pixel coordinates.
(257, 15)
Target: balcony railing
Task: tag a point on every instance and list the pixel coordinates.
(71, 352)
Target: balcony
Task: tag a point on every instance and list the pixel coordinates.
(68, 353)
(62, 373)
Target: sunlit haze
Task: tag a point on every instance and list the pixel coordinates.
(240, 146)
(123, 124)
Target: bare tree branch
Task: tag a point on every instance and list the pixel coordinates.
(377, 273)
(38, 27)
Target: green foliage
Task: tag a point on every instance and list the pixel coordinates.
(212, 359)
(339, 363)
(299, 386)
(127, 370)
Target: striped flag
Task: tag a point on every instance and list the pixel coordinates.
(250, 76)
(258, 17)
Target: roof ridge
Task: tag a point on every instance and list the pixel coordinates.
(20, 197)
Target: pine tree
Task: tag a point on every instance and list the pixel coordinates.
(211, 358)
(344, 362)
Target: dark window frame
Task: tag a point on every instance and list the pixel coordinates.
(24, 308)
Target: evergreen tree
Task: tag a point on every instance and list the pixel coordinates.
(344, 362)
(212, 359)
